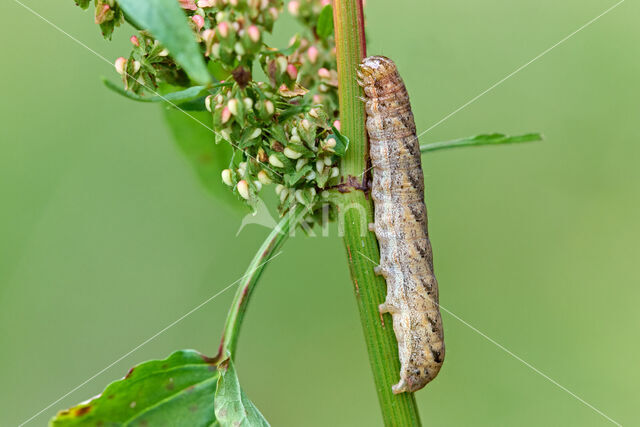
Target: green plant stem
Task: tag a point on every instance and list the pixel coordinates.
(357, 210)
(266, 253)
(492, 139)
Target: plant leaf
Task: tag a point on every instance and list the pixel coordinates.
(207, 158)
(168, 23)
(178, 390)
(324, 28)
(485, 139)
(232, 406)
(342, 142)
(180, 95)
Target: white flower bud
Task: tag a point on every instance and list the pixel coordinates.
(279, 189)
(283, 195)
(327, 161)
(258, 185)
(311, 176)
(275, 161)
(306, 125)
(121, 65)
(335, 172)
(325, 194)
(314, 113)
(300, 164)
(207, 103)
(233, 106)
(256, 133)
(268, 105)
(226, 177)
(163, 52)
(319, 165)
(282, 64)
(263, 177)
(295, 139)
(248, 103)
(291, 154)
(243, 189)
(299, 196)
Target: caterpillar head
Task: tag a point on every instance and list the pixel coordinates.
(377, 75)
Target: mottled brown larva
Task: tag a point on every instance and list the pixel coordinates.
(406, 259)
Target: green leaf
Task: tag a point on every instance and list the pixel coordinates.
(292, 179)
(197, 143)
(181, 95)
(342, 142)
(232, 406)
(168, 23)
(176, 391)
(324, 28)
(485, 139)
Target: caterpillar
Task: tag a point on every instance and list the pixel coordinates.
(400, 215)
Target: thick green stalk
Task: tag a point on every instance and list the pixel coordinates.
(266, 253)
(356, 208)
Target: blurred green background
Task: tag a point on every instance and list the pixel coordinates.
(106, 236)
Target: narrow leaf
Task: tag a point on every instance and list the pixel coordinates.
(324, 28)
(486, 139)
(181, 95)
(197, 142)
(168, 23)
(232, 406)
(175, 391)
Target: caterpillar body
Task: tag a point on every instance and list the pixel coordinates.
(406, 258)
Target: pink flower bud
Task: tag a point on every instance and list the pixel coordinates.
(312, 53)
(336, 124)
(226, 115)
(293, 7)
(254, 33)
(325, 2)
(292, 71)
(134, 41)
(223, 29)
(206, 3)
(188, 4)
(317, 99)
(323, 73)
(274, 12)
(198, 20)
(121, 65)
(101, 14)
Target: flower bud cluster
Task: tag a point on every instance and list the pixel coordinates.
(108, 15)
(283, 130)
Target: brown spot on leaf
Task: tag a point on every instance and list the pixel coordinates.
(82, 410)
(129, 373)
